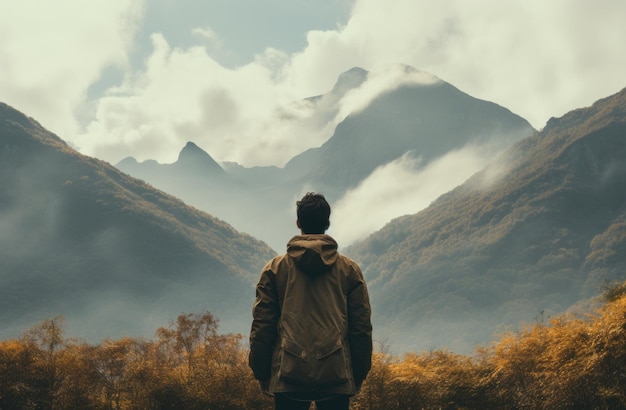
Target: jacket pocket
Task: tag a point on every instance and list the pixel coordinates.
(322, 366)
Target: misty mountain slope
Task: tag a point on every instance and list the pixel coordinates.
(414, 114)
(112, 254)
(428, 120)
(536, 232)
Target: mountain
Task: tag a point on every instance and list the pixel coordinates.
(427, 119)
(420, 116)
(109, 252)
(536, 233)
(192, 163)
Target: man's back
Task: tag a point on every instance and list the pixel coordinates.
(311, 330)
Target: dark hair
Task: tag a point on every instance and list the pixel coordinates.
(313, 213)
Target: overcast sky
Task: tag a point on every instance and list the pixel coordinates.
(120, 78)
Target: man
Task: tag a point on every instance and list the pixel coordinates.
(311, 337)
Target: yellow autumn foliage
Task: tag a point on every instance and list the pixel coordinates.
(567, 363)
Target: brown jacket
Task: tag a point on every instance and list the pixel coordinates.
(311, 328)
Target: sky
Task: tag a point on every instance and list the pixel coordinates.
(118, 78)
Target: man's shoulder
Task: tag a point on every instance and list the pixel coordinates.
(275, 263)
(347, 260)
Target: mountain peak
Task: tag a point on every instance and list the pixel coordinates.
(350, 79)
(190, 148)
(192, 156)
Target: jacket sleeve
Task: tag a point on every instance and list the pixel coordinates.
(265, 315)
(360, 328)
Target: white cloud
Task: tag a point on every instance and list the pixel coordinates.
(401, 187)
(248, 114)
(51, 52)
(381, 80)
(181, 95)
(539, 59)
(207, 33)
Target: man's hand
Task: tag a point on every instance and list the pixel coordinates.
(265, 387)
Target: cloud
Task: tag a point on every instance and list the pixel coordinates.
(182, 95)
(402, 187)
(51, 52)
(206, 33)
(537, 59)
(248, 115)
(382, 79)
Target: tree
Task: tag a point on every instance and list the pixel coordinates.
(45, 341)
(192, 330)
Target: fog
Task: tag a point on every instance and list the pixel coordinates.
(399, 188)
(55, 262)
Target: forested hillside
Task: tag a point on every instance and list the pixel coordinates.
(534, 234)
(112, 254)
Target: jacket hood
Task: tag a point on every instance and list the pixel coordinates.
(313, 254)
